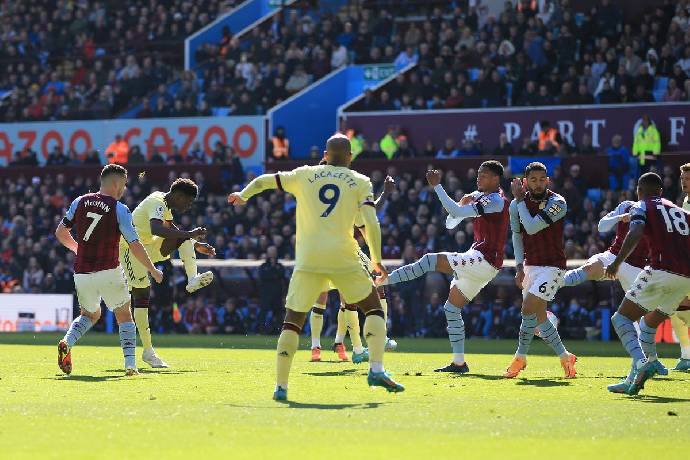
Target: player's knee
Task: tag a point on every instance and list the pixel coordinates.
(93, 316)
(375, 312)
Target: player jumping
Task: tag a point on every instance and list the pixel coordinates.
(536, 220)
(328, 200)
(99, 220)
(472, 270)
(159, 235)
(662, 285)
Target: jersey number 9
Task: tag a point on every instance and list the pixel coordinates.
(329, 194)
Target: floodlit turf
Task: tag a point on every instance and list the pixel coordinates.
(215, 402)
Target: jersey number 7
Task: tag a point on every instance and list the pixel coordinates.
(96, 218)
(331, 199)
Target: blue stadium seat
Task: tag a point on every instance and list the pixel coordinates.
(658, 94)
(474, 74)
(594, 194)
(661, 83)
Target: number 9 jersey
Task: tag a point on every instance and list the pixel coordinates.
(329, 199)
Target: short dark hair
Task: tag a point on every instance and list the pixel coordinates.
(113, 169)
(535, 166)
(685, 168)
(494, 166)
(650, 181)
(185, 187)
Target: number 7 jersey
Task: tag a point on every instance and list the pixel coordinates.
(328, 201)
(667, 230)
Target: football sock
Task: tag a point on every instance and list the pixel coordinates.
(188, 257)
(384, 305)
(628, 336)
(79, 327)
(414, 270)
(316, 325)
(128, 342)
(456, 331)
(352, 321)
(575, 277)
(141, 317)
(550, 335)
(375, 333)
(529, 322)
(287, 346)
(631, 375)
(681, 330)
(648, 340)
(342, 326)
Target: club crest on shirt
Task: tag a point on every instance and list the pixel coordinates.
(542, 204)
(554, 209)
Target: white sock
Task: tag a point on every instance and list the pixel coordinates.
(316, 343)
(188, 257)
(685, 352)
(358, 350)
(339, 338)
(375, 366)
(281, 385)
(459, 358)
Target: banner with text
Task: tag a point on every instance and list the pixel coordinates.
(601, 123)
(245, 134)
(35, 312)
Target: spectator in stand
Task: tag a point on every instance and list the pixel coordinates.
(647, 144)
(448, 151)
(135, 156)
(586, 147)
(673, 93)
(619, 162)
(549, 138)
(272, 277)
(280, 145)
(469, 148)
(504, 148)
(57, 157)
(117, 151)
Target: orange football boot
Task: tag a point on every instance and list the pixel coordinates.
(340, 349)
(568, 364)
(315, 354)
(64, 357)
(516, 365)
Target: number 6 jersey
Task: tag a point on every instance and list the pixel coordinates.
(99, 220)
(667, 230)
(328, 201)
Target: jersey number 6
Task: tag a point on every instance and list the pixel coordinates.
(331, 199)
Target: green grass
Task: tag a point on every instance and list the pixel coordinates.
(215, 402)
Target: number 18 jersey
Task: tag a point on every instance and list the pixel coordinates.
(667, 230)
(328, 200)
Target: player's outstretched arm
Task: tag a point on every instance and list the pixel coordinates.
(633, 237)
(158, 228)
(142, 256)
(64, 236)
(554, 211)
(258, 185)
(388, 187)
(372, 234)
(610, 220)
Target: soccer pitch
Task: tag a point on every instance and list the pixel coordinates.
(215, 402)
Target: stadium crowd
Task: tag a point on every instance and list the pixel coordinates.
(412, 224)
(92, 60)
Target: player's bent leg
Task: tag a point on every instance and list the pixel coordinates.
(195, 280)
(428, 263)
(588, 272)
(288, 343)
(128, 337)
(77, 329)
(456, 331)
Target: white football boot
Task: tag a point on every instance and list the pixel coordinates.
(199, 281)
(150, 357)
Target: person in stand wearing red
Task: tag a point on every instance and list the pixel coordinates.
(661, 286)
(536, 219)
(473, 269)
(99, 220)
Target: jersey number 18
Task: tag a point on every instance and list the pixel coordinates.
(674, 218)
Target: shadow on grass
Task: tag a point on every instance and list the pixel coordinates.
(158, 371)
(332, 373)
(544, 382)
(317, 406)
(87, 378)
(479, 376)
(654, 399)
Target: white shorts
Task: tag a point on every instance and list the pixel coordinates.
(659, 290)
(472, 272)
(109, 285)
(626, 272)
(542, 282)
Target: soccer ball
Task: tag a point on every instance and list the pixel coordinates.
(551, 317)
